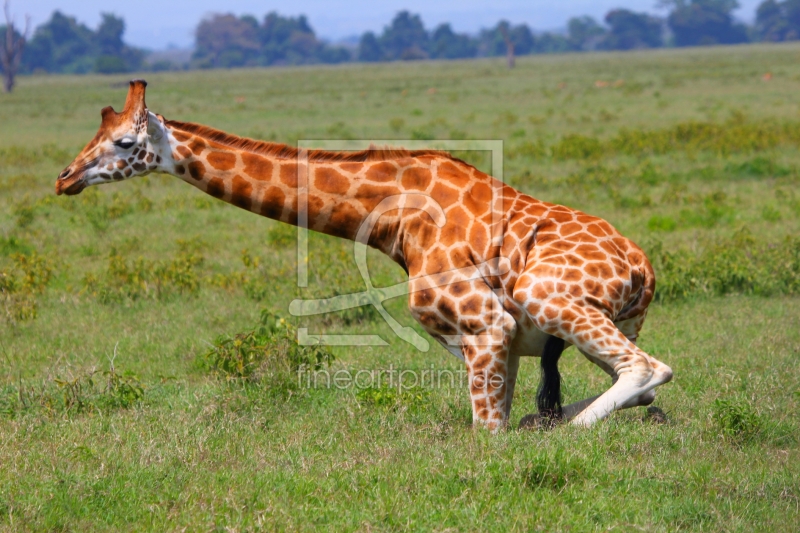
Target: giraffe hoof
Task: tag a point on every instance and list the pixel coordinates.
(538, 422)
(655, 415)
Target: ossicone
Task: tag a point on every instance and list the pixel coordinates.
(135, 103)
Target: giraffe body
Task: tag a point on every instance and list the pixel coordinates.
(564, 273)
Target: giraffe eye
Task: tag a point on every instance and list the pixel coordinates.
(124, 144)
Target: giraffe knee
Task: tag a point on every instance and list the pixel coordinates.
(662, 372)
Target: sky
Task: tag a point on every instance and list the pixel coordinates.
(158, 24)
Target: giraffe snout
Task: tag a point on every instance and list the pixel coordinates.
(69, 182)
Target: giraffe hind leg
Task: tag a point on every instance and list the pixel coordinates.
(637, 373)
(593, 333)
(548, 397)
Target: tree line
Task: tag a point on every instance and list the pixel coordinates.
(63, 45)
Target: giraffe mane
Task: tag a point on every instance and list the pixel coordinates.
(284, 151)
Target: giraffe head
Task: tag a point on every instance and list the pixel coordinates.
(128, 144)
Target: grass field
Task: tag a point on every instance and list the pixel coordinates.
(117, 415)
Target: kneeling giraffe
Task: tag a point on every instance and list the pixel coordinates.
(566, 277)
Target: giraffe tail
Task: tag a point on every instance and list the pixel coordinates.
(548, 397)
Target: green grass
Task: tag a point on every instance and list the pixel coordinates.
(121, 309)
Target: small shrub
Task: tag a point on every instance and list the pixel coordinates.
(629, 202)
(576, 146)
(37, 271)
(592, 176)
(391, 398)
(533, 150)
(734, 136)
(25, 214)
(281, 235)
(422, 134)
(648, 174)
(736, 419)
(144, 279)
(89, 391)
(759, 166)
(713, 211)
(269, 353)
(203, 202)
(674, 194)
(339, 130)
(20, 284)
(14, 245)
(737, 265)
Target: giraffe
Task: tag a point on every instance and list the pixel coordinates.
(568, 278)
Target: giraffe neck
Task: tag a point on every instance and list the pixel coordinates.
(339, 191)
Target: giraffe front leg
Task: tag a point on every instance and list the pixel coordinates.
(470, 315)
(490, 380)
(511, 376)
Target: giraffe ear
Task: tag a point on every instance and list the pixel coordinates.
(155, 129)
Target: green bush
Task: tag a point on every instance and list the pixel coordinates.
(577, 146)
(20, 283)
(391, 398)
(269, 354)
(738, 265)
(282, 235)
(128, 281)
(90, 391)
(736, 419)
(733, 136)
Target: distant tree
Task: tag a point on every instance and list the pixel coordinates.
(114, 56)
(446, 44)
(704, 22)
(552, 43)
(11, 49)
(369, 48)
(109, 35)
(405, 38)
(335, 54)
(629, 30)
(226, 41)
(62, 44)
(585, 33)
(493, 43)
(778, 21)
(288, 41)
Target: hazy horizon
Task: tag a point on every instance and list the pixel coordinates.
(157, 25)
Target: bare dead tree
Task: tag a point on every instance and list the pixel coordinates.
(11, 51)
(509, 46)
